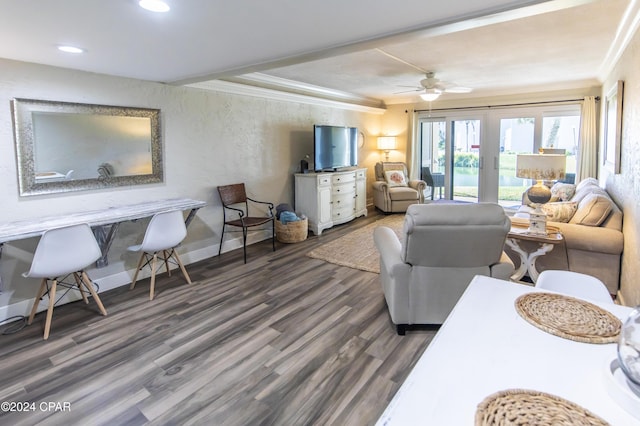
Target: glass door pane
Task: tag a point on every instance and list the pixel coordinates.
(561, 132)
(465, 140)
(432, 148)
(516, 137)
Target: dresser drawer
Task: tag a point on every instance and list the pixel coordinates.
(361, 174)
(345, 212)
(343, 178)
(348, 188)
(324, 180)
(342, 200)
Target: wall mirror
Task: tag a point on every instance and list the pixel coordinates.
(63, 147)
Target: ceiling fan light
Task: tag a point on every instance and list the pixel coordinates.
(430, 95)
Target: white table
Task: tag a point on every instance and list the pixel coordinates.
(104, 223)
(484, 347)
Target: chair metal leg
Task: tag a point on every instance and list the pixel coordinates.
(221, 239)
(244, 243)
(273, 234)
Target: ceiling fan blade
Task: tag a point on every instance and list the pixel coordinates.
(409, 91)
(458, 89)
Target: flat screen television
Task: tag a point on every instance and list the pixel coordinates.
(334, 147)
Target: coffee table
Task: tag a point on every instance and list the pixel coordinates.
(546, 243)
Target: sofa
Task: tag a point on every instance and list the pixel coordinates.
(393, 192)
(591, 224)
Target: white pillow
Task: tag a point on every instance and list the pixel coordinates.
(560, 211)
(395, 178)
(592, 210)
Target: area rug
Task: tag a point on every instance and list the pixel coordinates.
(357, 249)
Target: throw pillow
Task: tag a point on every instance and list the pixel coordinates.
(592, 210)
(587, 182)
(562, 191)
(395, 178)
(560, 212)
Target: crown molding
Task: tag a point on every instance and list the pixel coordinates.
(626, 29)
(279, 95)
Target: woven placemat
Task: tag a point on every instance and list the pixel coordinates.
(527, 407)
(569, 317)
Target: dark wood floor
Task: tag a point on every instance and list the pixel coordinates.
(283, 340)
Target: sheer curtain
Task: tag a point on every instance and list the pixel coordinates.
(588, 152)
(413, 150)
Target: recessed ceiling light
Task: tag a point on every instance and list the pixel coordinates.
(154, 5)
(70, 49)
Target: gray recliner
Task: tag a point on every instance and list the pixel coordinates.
(396, 198)
(443, 246)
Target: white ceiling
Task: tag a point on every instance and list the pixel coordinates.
(360, 50)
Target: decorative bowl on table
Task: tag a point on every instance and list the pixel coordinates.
(629, 349)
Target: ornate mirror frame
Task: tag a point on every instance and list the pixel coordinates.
(22, 112)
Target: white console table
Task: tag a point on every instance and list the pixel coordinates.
(485, 347)
(332, 198)
(104, 223)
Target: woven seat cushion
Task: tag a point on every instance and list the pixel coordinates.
(249, 221)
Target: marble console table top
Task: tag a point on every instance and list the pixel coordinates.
(17, 230)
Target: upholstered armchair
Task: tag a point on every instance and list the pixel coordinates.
(443, 246)
(393, 192)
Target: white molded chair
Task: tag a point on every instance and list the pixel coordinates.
(62, 252)
(164, 233)
(574, 284)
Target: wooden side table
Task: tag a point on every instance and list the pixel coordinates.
(546, 243)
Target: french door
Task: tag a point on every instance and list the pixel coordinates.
(472, 156)
(450, 149)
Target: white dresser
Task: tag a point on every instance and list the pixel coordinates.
(331, 198)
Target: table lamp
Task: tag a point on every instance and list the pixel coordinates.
(386, 144)
(540, 167)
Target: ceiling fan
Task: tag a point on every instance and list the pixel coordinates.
(432, 87)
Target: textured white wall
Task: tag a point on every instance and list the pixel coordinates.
(209, 139)
(625, 187)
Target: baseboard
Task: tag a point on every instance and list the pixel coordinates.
(23, 307)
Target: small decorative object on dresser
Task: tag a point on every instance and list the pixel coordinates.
(329, 199)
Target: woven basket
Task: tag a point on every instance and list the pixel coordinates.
(292, 232)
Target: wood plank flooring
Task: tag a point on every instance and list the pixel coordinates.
(283, 340)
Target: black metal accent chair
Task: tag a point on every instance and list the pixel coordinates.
(433, 180)
(234, 198)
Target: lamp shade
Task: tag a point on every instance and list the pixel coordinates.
(386, 142)
(541, 166)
